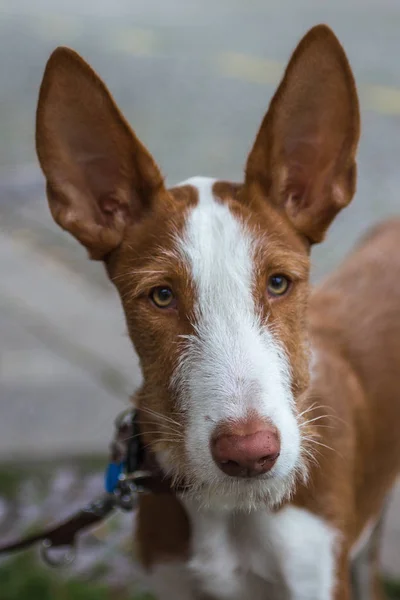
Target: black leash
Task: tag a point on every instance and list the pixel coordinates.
(126, 477)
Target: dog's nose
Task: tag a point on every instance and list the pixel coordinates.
(241, 455)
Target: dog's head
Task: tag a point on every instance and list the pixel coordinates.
(213, 276)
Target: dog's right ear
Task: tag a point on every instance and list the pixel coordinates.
(303, 158)
(100, 178)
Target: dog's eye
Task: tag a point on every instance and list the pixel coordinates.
(278, 285)
(162, 297)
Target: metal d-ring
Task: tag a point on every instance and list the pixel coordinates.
(47, 554)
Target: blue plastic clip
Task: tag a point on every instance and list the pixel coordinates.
(112, 476)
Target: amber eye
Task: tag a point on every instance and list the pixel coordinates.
(162, 297)
(278, 285)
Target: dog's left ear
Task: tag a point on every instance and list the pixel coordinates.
(303, 158)
(100, 177)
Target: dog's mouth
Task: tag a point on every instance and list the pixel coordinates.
(253, 493)
(219, 490)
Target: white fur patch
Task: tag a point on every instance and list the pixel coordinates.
(257, 555)
(233, 364)
(306, 546)
(170, 581)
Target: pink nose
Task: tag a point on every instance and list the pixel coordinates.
(246, 455)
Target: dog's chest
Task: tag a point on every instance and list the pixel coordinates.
(235, 556)
(231, 558)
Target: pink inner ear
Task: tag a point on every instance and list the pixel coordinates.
(307, 169)
(305, 150)
(301, 161)
(103, 174)
(109, 205)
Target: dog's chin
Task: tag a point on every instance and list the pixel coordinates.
(221, 492)
(236, 494)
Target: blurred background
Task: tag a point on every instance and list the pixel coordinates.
(194, 78)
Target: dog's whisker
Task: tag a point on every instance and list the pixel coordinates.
(319, 426)
(159, 415)
(131, 437)
(315, 419)
(313, 441)
(308, 409)
(161, 440)
(162, 426)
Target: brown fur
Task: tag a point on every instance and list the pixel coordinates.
(105, 188)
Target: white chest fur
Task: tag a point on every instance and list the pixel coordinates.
(286, 555)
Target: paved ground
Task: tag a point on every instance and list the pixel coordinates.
(194, 78)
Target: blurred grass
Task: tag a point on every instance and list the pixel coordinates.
(21, 578)
(13, 473)
(10, 480)
(392, 589)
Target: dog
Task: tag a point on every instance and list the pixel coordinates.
(273, 410)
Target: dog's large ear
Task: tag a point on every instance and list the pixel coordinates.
(100, 178)
(304, 154)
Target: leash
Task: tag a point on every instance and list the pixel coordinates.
(130, 472)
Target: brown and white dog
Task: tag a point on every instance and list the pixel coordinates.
(277, 411)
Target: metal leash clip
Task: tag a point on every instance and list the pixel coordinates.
(56, 556)
(124, 474)
(58, 549)
(127, 490)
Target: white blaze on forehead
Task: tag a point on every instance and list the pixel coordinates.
(232, 364)
(220, 253)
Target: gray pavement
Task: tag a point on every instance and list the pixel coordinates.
(194, 79)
